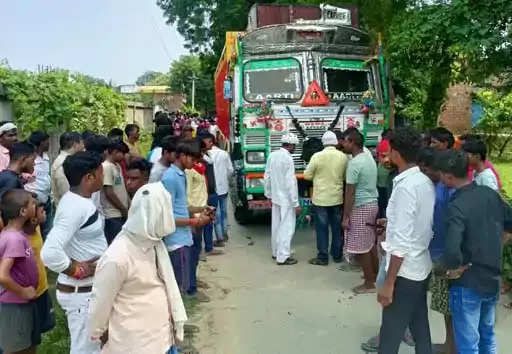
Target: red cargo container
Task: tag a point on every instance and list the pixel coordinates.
(265, 15)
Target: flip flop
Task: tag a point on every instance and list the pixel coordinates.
(361, 289)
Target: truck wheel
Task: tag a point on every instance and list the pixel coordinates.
(242, 215)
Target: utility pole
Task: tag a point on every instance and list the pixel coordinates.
(193, 78)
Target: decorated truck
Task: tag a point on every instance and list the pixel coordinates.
(300, 69)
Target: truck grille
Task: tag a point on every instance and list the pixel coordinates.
(255, 139)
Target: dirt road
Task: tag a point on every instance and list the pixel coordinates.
(258, 307)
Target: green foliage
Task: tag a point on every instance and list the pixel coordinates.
(152, 78)
(57, 101)
(181, 73)
(496, 123)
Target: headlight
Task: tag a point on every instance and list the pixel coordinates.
(254, 183)
(255, 157)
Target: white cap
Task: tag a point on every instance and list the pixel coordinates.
(290, 138)
(213, 129)
(6, 127)
(329, 139)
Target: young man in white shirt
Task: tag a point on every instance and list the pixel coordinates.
(477, 155)
(41, 182)
(408, 234)
(75, 243)
(114, 196)
(168, 156)
(223, 170)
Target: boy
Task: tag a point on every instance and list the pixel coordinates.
(137, 175)
(22, 158)
(43, 302)
(477, 155)
(18, 276)
(114, 197)
(179, 242)
(441, 139)
(168, 156)
(75, 243)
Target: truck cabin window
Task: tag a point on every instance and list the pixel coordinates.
(344, 83)
(276, 80)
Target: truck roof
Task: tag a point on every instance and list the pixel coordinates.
(261, 15)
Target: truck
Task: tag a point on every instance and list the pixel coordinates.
(299, 69)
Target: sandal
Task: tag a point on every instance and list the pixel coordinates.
(289, 261)
(362, 289)
(316, 261)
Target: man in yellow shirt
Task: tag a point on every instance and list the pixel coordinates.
(327, 171)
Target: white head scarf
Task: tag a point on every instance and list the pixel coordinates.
(6, 127)
(149, 221)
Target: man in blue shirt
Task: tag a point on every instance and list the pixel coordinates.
(179, 243)
(439, 286)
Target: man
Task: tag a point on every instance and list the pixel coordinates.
(477, 155)
(223, 170)
(475, 222)
(41, 180)
(361, 210)
(114, 197)
(428, 162)
(21, 156)
(75, 243)
(70, 144)
(408, 235)
(281, 188)
(213, 200)
(179, 242)
(327, 171)
(168, 156)
(137, 175)
(8, 137)
(132, 132)
(441, 139)
(98, 144)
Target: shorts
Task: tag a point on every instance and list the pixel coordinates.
(19, 327)
(440, 289)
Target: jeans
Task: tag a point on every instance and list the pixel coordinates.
(221, 224)
(76, 307)
(195, 252)
(383, 201)
(473, 317)
(409, 308)
(113, 227)
(213, 201)
(181, 260)
(325, 217)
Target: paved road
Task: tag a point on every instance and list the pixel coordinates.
(260, 308)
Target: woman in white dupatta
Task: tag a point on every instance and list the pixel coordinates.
(135, 296)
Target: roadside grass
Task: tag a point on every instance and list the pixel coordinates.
(504, 168)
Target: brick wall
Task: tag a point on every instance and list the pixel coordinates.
(456, 111)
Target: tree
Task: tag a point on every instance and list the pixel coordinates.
(149, 77)
(181, 75)
(57, 101)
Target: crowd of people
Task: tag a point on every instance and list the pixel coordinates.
(124, 233)
(424, 214)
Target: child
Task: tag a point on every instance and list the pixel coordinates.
(43, 301)
(19, 333)
(114, 197)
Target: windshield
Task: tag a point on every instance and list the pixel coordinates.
(345, 80)
(278, 79)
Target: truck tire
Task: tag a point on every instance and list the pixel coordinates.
(242, 215)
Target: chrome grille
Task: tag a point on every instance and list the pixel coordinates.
(255, 139)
